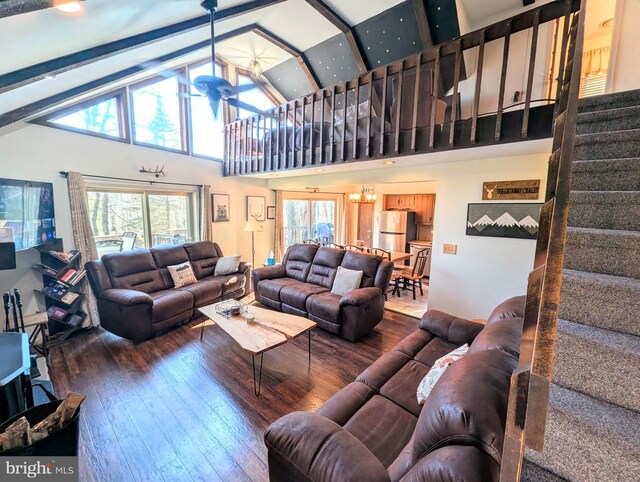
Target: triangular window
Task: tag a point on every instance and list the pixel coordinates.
(102, 118)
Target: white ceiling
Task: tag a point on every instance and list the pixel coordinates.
(480, 13)
(357, 11)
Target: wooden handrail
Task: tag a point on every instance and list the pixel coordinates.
(294, 139)
(531, 382)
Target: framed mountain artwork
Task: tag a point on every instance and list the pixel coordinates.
(504, 220)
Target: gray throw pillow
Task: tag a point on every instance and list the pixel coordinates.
(227, 265)
(346, 281)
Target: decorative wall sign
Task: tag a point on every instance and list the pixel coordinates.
(504, 220)
(220, 208)
(256, 207)
(271, 212)
(511, 190)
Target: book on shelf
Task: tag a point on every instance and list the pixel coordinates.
(74, 320)
(57, 313)
(43, 268)
(69, 297)
(76, 278)
(65, 257)
(67, 275)
(56, 289)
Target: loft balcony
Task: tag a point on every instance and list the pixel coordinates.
(424, 103)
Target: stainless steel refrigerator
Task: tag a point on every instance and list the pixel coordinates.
(397, 230)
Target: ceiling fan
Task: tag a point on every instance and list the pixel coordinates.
(217, 89)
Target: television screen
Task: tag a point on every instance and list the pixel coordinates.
(26, 212)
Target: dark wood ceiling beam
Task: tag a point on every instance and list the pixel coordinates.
(35, 107)
(27, 75)
(9, 8)
(356, 49)
(291, 50)
(423, 23)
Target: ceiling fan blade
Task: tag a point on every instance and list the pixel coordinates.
(238, 89)
(243, 105)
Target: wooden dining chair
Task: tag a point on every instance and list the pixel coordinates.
(411, 279)
(351, 247)
(310, 241)
(335, 245)
(383, 253)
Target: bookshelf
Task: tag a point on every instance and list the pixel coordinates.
(63, 279)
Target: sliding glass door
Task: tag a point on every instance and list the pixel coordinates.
(309, 219)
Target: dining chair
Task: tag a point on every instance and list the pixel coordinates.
(383, 253)
(351, 247)
(128, 241)
(310, 241)
(411, 279)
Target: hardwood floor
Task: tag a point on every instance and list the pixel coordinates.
(176, 408)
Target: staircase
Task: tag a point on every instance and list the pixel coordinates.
(593, 424)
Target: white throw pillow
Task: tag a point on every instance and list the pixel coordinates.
(438, 368)
(182, 274)
(346, 281)
(227, 265)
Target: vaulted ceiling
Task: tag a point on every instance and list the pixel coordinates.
(50, 57)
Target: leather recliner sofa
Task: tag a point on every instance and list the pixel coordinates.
(136, 295)
(302, 284)
(375, 430)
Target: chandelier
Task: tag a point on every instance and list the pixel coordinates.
(365, 196)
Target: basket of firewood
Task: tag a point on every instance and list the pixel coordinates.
(50, 429)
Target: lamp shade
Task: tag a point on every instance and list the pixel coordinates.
(253, 226)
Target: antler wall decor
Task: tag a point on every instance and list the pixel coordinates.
(157, 172)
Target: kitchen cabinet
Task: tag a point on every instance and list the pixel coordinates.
(422, 204)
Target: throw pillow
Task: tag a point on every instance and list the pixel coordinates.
(346, 281)
(436, 371)
(182, 274)
(227, 265)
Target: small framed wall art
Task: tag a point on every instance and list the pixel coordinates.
(256, 206)
(220, 208)
(271, 212)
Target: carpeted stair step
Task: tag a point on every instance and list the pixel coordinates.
(606, 175)
(603, 251)
(609, 120)
(534, 473)
(618, 100)
(613, 301)
(588, 440)
(605, 210)
(598, 362)
(608, 145)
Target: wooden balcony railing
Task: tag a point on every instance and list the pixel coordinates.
(403, 109)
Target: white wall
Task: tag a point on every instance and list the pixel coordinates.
(38, 153)
(624, 66)
(486, 270)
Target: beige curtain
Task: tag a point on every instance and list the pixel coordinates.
(206, 214)
(595, 62)
(83, 238)
(279, 229)
(346, 219)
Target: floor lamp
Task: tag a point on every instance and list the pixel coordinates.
(253, 227)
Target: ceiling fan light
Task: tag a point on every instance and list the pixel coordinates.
(255, 68)
(68, 6)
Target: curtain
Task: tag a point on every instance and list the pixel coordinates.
(83, 238)
(346, 219)
(279, 229)
(595, 62)
(206, 215)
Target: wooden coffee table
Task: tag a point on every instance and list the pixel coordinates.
(271, 329)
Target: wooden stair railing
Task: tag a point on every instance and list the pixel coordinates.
(531, 382)
(404, 114)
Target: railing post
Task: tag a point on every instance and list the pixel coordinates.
(434, 101)
(398, 109)
(503, 82)
(416, 94)
(476, 97)
(384, 108)
(454, 101)
(532, 64)
(355, 119)
(332, 134)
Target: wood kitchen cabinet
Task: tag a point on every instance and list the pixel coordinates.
(422, 204)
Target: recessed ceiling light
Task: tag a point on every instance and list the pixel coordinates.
(68, 7)
(389, 163)
(319, 170)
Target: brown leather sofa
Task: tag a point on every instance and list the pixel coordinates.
(301, 285)
(374, 429)
(135, 292)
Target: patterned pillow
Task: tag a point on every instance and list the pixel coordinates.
(182, 274)
(438, 368)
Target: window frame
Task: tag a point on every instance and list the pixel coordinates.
(120, 95)
(244, 72)
(337, 198)
(192, 195)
